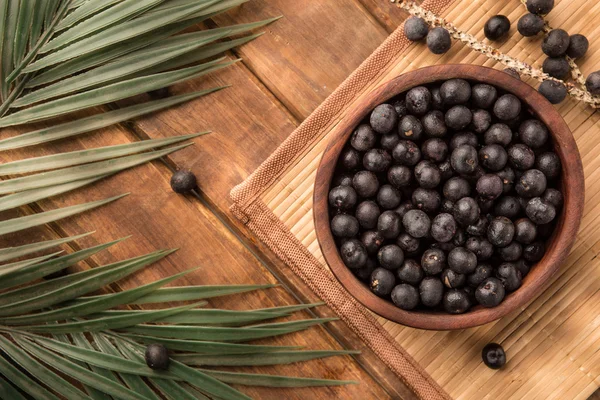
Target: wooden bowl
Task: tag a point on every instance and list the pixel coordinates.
(560, 243)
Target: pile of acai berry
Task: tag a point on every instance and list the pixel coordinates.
(445, 196)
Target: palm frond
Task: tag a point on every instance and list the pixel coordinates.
(62, 56)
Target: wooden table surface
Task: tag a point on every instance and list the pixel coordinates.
(283, 77)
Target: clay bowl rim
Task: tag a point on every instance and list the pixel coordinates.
(560, 243)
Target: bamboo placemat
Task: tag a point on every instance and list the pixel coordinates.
(553, 344)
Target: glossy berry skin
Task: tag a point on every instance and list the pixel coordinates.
(416, 223)
(489, 187)
(556, 67)
(521, 157)
(405, 296)
(462, 261)
(507, 107)
(556, 43)
(496, 27)
(354, 254)
(534, 252)
(500, 231)
(533, 133)
(481, 273)
(410, 272)
(466, 211)
(183, 182)
(390, 256)
(493, 356)
(525, 231)
(510, 276)
(418, 100)
(342, 197)
(415, 29)
(554, 91)
(549, 164)
(540, 7)
(382, 282)
(531, 184)
(365, 183)
(578, 46)
(157, 357)
(410, 128)
(372, 240)
(490, 292)
(434, 124)
(367, 213)
(443, 227)
(493, 157)
(498, 134)
(431, 291)
(433, 261)
(388, 197)
(455, 92)
(458, 117)
(484, 95)
(592, 83)
(530, 25)
(438, 40)
(344, 226)
(377, 160)
(384, 118)
(464, 159)
(388, 224)
(350, 159)
(363, 138)
(539, 211)
(456, 301)
(407, 153)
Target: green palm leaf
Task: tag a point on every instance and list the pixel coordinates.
(10, 10)
(83, 11)
(239, 378)
(8, 391)
(10, 253)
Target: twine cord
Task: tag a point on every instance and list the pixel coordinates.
(508, 61)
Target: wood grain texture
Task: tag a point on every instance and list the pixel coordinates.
(573, 189)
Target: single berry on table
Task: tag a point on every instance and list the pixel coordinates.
(157, 357)
(493, 354)
(556, 43)
(438, 40)
(183, 181)
(578, 46)
(554, 92)
(592, 83)
(496, 27)
(540, 7)
(556, 67)
(415, 29)
(530, 25)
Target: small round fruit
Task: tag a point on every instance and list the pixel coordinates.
(533, 133)
(416, 223)
(399, 176)
(512, 252)
(490, 292)
(342, 180)
(388, 197)
(438, 40)
(481, 121)
(466, 211)
(556, 43)
(365, 183)
(389, 141)
(389, 224)
(531, 184)
(443, 227)
(549, 164)
(481, 273)
(382, 282)
(510, 276)
(410, 128)
(523, 267)
(454, 92)
(427, 174)
(354, 254)
(377, 160)
(530, 25)
(534, 252)
(498, 134)
(418, 100)
(372, 240)
(496, 27)
(436, 98)
(525, 231)
(408, 243)
(489, 187)
(508, 179)
(363, 138)
(462, 261)
(435, 150)
(384, 118)
(578, 46)
(364, 273)
(483, 95)
(553, 197)
(404, 208)
(512, 72)
(452, 279)
(493, 354)
(521, 157)
(342, 197)
(463, 138)
(183, 182)
(344, 226)
(434, 124)
(367, 213)
(405, 296)
(554, 91)
(400, 107)
(479, 228)
(507, 107)
(459, 239)
(481, 247)
(426, 199)
(390, 256)
(540, 7)
(415, 29)
(539, 211)
(445, 168)
(433, 261)
(592, 83)
(157, 356)
(431, 291)
(500, 231)
(464, 159)
(350, 159)
(493, 157)
(410, 272)
(507, 206)
(407, 153)
(458, 117)
(456, 301)
(456, 188)
(556, 67)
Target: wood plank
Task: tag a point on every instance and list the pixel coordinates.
(386, 13)
(159, 218)
(310, 51)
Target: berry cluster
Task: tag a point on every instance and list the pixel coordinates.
(445, 195)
